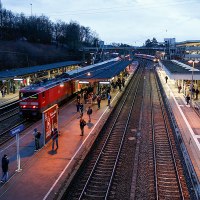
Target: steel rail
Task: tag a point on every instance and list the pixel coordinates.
(104, 145)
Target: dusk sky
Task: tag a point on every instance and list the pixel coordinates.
(122, 21)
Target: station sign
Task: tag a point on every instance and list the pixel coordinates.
(17, 130)
(49, 122)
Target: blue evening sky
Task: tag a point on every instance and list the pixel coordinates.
(121, 21)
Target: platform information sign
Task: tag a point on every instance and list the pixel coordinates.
(15, 132)
(49, 122)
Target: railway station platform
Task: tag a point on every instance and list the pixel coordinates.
(187, 118)
(9, 98)
(45, 171)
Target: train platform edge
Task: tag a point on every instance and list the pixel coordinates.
(45, 171)
(188, 122)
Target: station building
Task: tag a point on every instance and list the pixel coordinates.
(15, 79)
(189, 49)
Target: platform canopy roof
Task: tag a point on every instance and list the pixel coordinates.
(181, 70)
(103, 72)
(19, 72)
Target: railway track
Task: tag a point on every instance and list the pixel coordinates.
(98, 177)
(166, 171)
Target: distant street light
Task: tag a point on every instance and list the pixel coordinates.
(191, 87)
(31, 9)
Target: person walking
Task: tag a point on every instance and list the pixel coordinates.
(99, 101)
(89, 112)
(109, 98)
(4, 165)
(37, 136)
(55, 138)
(166, 78)
(82, 125)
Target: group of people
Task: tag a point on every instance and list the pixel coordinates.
(119, 83)
(4, 90)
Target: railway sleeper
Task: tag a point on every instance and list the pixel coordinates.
(97, 190)
(93, 196)
(169, 193)
(103, 174)
(109, 165)
(97, 182)
(168, 187)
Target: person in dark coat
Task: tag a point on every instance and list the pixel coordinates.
(99, 101)
(166, 78)
(188, 99)
(197, 93)
(89, 112)
(37, 136)
(4, 165)
(55, 138)
(78, 106)
(82, 125)
(81, 110)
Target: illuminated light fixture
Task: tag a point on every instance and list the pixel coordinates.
(34, 106)
(86, 82)
(23, 106)
(88, 73)
(18, 79)
(62, 84)
(104, 82)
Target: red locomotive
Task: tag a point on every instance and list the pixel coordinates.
(36, 98)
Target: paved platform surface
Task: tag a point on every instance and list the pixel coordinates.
(43, 172)
(187, 119)
(9, 98)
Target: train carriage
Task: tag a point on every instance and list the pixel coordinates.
(36, 98)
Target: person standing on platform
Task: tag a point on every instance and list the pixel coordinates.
(179, 88)
(13, 88)
(81, 110)
(89, 112)
(85, 96)
(78, 98)
(55, 139)
(123, 82)
(78, 106)
(37, 136)
(166, 78)
(82, 125)
(197, 93)
(99, 101)
(109, 98)
(4, 165)
(188, 99)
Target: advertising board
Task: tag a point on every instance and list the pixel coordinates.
(49, 122)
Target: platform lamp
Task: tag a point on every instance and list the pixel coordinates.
(193, 62)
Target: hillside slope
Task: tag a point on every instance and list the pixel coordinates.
(16, 54)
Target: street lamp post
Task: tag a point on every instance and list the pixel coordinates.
(191, 86)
